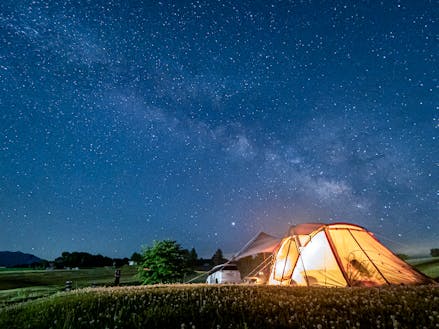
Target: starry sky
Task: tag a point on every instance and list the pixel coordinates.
(124, 122)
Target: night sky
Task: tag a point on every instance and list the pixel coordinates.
(206, 122)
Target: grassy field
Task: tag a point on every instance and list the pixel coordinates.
(20, 285)
(428, 266)
(82, 277)
(17, 285)
(18, 269)
(230, 306)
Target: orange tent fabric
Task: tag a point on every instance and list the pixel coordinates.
(338, 255)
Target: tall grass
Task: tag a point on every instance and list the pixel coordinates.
(230, 306)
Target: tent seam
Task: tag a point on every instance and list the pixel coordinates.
(337, 257)
(370, 260)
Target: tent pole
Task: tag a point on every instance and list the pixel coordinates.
(285, 263)
(337, 257)
(259, 267)
(370, 260)
(299, 252)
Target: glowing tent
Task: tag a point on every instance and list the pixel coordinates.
(337, 255)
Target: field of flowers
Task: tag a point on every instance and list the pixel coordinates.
(230, 306)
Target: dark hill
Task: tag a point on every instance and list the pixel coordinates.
(10, 258)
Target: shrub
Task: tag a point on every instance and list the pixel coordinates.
(164, 262)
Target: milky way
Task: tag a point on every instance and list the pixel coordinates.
(206, 122)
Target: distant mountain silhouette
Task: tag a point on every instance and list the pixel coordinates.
(10, 258)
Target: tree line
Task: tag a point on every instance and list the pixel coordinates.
(84, 259)
(167, 262)
(190, 256)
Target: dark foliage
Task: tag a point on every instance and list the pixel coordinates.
(136, 257)
(164, 262)
(218, 258)
(84, 259)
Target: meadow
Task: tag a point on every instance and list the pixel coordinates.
(18, 285)
(428, 266)
(230, 306)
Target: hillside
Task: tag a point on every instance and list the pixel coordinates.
(11, 258)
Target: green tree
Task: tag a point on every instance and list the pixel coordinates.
(218, 258)
(164, 262)
(434, 252)
(193, 258)
(136, 257)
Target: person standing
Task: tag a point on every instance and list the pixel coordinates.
(117, 277)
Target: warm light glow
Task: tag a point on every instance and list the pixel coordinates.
(303, 239)
(317, 265)
(339, 255)
(285, 259)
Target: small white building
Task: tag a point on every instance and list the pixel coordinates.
(224, 273)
